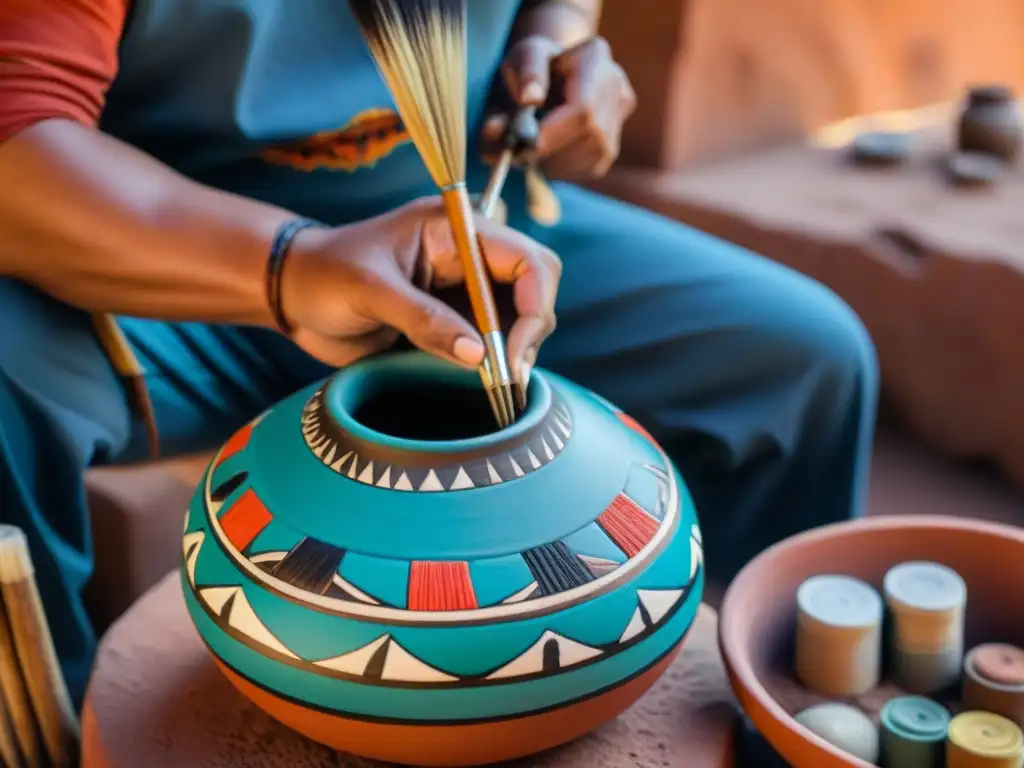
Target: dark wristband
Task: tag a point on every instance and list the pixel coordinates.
(279, 249)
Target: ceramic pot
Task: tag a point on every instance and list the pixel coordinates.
(375, 566)
(991, 123)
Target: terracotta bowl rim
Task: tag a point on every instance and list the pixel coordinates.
(755, 700)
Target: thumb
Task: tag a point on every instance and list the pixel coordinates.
(426, 321)
(527, 70)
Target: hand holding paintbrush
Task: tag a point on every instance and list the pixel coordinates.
(581, 97)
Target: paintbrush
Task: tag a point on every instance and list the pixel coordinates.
(520, 136)
(420, 50)
(518, 140)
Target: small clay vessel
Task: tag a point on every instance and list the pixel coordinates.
(377, 566)
(991, 122)
(974, 169)
(880, 148)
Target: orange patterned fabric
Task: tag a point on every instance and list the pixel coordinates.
(57, 59)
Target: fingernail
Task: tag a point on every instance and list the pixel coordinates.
(532, 93)
(468, 350)
(494, 124)
(525, 369)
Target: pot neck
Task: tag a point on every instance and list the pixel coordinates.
(401, 378)
(990, 95)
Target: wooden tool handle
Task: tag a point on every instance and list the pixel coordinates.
(36, 655)
(127, 366)
(459, 208)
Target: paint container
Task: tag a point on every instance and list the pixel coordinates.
(844, 727)
(839, 635)
(994, 681)
(984, 740)
(913, 733)
(926, 604)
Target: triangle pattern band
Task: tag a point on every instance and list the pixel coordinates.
(333, 448)
(384, 660)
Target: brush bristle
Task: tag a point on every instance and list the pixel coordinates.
(420, 50)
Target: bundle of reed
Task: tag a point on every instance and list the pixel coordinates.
(38, 725)
(420, 50)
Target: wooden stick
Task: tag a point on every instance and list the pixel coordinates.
(10, 754)
(17, 705)
(126, 364)
(47, 689)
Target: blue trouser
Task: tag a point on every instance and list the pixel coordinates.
(760, 383)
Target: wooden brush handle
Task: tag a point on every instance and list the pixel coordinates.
(36, 655)
(459, 208)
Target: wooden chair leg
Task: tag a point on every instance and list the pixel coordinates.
(29, 638)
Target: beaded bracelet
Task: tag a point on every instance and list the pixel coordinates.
(275, 266)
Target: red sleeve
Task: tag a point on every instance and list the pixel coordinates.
(57, 59)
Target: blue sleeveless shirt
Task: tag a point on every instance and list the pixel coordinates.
(280, 100)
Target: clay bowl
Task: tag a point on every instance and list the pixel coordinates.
(758, 614)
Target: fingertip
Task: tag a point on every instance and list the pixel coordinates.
(468, 350)
(494, 125)
(532, 94)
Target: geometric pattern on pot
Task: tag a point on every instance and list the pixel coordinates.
(378, 465)
(383, 661)
(629, 534)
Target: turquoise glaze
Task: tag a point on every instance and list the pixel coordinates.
(422, 581)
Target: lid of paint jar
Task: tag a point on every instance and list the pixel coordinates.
(925, 586)
(986, 735)
(915, 718)
(998, 663)
(840, 601)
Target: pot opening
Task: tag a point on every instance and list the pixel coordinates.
(433, 411)
(984, 95)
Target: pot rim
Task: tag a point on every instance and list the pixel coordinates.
(353, 385)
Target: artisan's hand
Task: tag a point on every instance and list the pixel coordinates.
(351, 291)
(579, 139)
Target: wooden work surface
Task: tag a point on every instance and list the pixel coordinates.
(156, 700)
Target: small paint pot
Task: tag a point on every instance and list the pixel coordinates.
(926, 604)
(880, 148)
(973, 169)
(839, 635)
(844, 727)
(913, 733)
(984, 740)
(994, 681)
